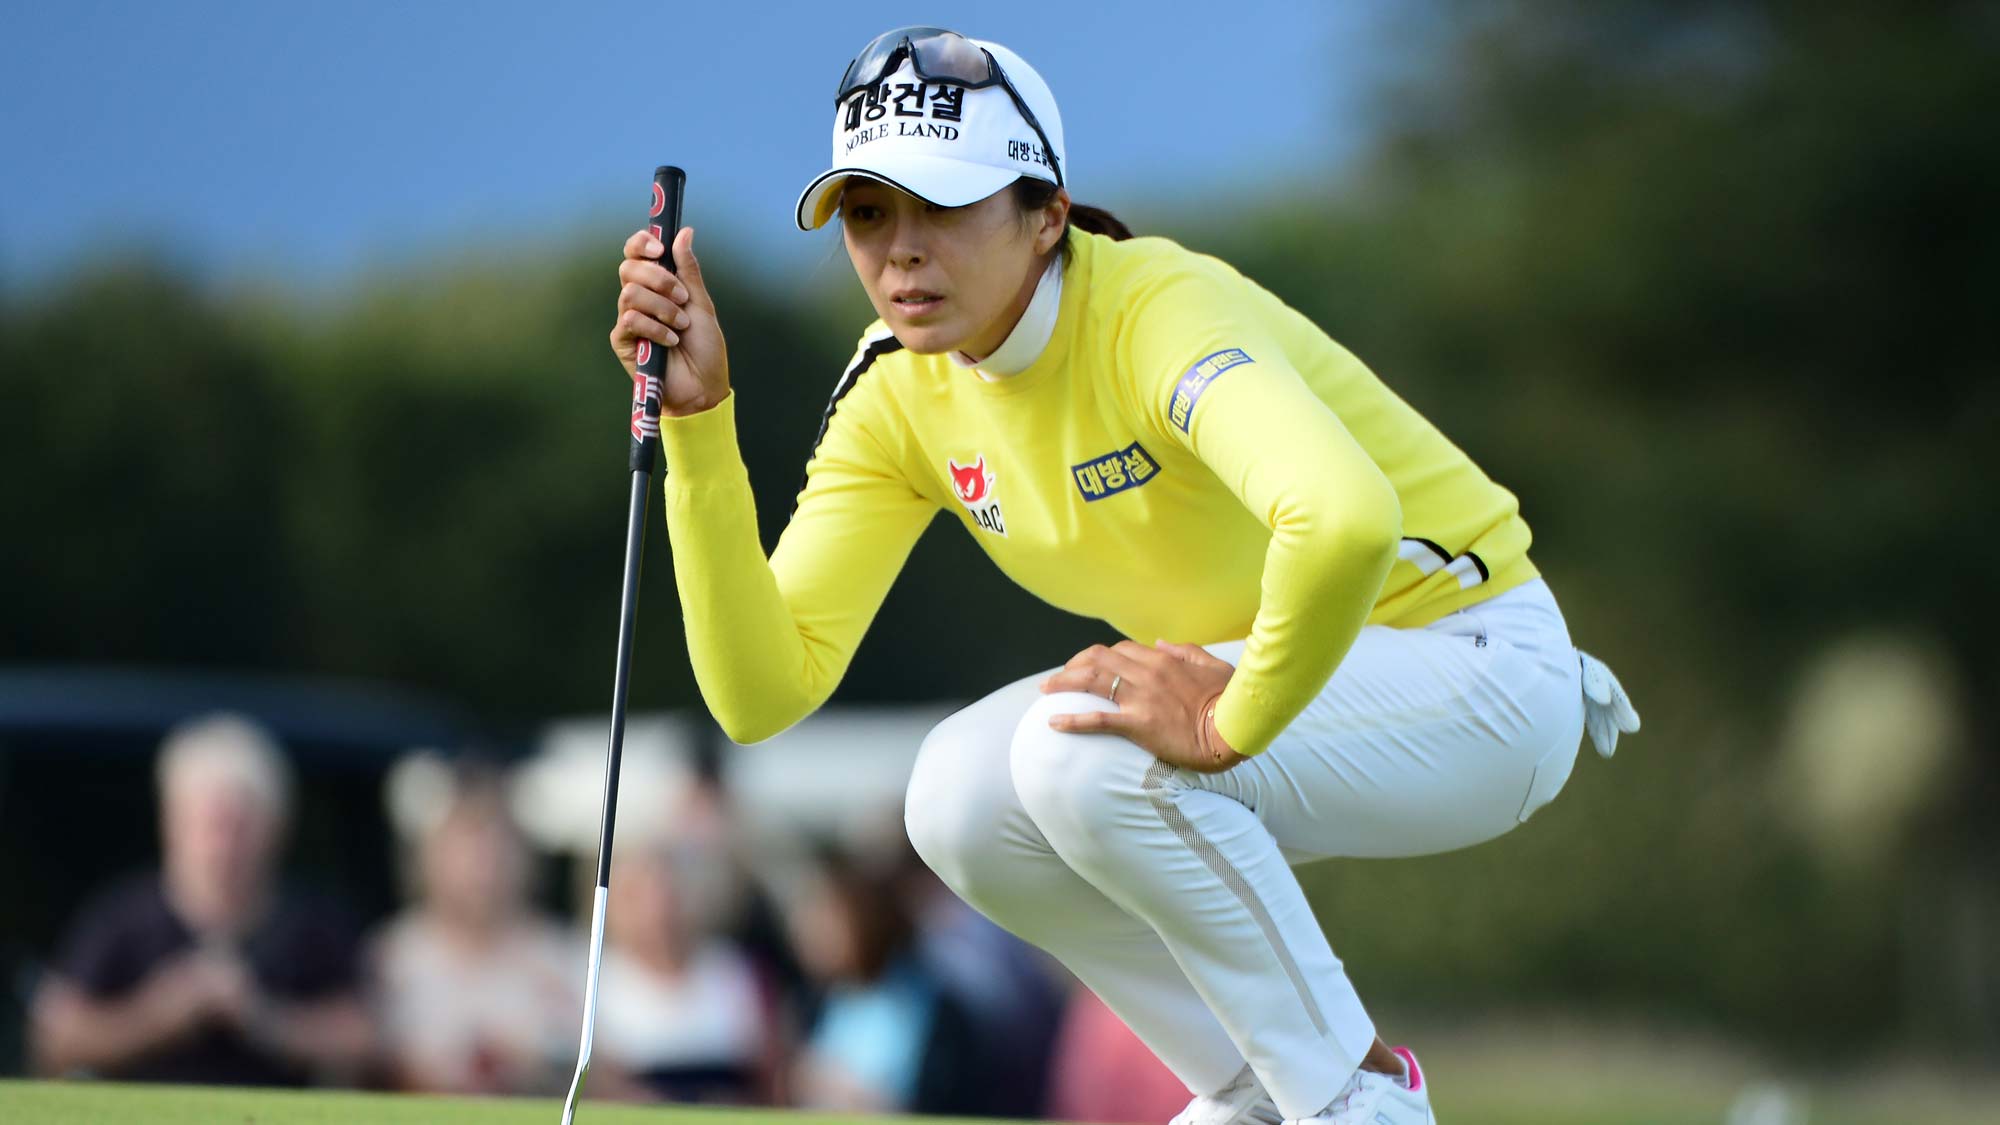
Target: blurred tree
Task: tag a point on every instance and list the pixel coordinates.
(142, 479)
(1704, 284)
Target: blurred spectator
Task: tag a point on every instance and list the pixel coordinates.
(208, 971)
(475, 992)
(889, 1036)
(1008, 990)
(680, 1010)
(735, 900)
(1103, 1073)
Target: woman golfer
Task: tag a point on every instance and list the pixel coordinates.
(1335, 642)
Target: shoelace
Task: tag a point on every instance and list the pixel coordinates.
(1216, 1106)
(1361, 1083)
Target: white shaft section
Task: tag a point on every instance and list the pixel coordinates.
(589, 1005)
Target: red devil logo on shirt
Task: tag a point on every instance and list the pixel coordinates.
(974, 485)
(972, 481)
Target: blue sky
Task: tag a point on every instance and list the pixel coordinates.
(319, 139)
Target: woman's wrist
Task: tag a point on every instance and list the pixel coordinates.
(701, 406)
(700, 446)
(1215, 750)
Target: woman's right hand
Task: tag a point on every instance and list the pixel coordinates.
(673, 310)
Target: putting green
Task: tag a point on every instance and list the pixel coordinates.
(1488, 1094)
(112, 1103)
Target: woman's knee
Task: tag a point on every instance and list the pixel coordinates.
(952, 809)
(1074, 786)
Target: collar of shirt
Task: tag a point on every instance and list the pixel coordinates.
(1024, 345)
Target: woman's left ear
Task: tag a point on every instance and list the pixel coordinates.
(1055, 220)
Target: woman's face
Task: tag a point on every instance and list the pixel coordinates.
(646, 904)
(474, 869)
(947, 278)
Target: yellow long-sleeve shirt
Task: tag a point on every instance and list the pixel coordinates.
(1188, 459)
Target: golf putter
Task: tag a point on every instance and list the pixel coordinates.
(664, 219)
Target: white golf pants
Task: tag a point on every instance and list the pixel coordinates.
(1170, 893)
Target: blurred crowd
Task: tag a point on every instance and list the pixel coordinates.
(859, 984)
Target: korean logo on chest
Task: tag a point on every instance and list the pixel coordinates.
(979, 482)
(1109, 473)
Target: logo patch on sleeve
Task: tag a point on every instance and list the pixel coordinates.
(1108, 474)
(1196, 380)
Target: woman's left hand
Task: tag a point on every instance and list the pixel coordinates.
(1165, 695)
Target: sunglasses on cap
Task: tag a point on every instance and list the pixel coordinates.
(938, 55)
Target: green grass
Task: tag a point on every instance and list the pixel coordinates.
(80, 1103)
(1530, 1073)
(1520, 1074)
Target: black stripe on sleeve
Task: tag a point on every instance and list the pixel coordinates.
(1484, 573)
(875, 350)
(1444, 556)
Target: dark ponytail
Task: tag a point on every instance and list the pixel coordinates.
(1096, 220)
(1031, 195)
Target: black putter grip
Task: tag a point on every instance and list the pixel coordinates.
(663, 217)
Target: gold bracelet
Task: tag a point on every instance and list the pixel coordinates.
(1205, 724)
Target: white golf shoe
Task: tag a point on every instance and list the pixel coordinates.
(1379, 1099)
(1242, 1102)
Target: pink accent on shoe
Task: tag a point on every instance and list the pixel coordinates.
(1416, 1074)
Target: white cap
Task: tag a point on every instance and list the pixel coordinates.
(942, 143)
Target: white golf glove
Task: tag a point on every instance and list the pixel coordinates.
(1607, 710)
